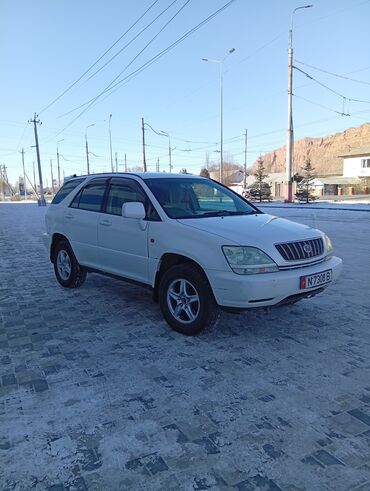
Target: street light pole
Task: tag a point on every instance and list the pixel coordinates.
(58, 161)
(87, 148)
(164, 133)
(221, 64)
(110, 144)
(290, 136)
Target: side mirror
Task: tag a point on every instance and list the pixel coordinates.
(133, 209)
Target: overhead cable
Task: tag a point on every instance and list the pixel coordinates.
(100, 58)
(155, 58)
(333, 74)
(112, 84)
(328, 88)
(320, 105)
(132, 40)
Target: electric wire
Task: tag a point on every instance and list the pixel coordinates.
(132, 40)
(99, 59)
(330, 89)
(153, 59)
(333, 74)
(112, 84)
(322, 106)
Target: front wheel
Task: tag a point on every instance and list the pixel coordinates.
(66, 268)
(186, 299)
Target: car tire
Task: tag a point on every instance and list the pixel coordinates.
(186, 299)
(66, 268)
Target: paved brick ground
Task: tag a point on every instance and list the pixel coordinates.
(97, 393)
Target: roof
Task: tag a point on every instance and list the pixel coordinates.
(143, 175)
(336, 180)
(357, 152)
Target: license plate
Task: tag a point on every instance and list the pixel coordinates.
(315, 280)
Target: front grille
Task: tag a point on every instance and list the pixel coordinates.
(305, 249)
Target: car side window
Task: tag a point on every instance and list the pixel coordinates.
(89, 198)
(125, 192)
(64, 191)
(118, 195)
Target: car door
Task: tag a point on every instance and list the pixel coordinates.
(81, 219)
(123, 242)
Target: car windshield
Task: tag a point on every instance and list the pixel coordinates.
(197, 198)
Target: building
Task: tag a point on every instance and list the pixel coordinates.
(356, 163)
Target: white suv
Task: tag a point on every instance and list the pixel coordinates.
(195, 243)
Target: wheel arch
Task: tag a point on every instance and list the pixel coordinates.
(166, 262)
(55, 241)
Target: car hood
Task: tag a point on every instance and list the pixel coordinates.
(257, 230)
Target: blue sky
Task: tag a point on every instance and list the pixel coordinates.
(46, 45)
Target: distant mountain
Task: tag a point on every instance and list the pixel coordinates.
(324, 152)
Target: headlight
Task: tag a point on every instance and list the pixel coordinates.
(328, 244)
(248, 260)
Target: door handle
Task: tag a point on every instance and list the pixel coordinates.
(69, 215)
(106, 223)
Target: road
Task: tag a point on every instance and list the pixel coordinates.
(98, 393)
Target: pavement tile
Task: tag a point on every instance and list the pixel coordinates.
(362, 414)
(100, 394)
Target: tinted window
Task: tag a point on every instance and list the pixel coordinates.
(120, 194)
(64, 191)
(128, 191)
(197, 198)
(89, 198)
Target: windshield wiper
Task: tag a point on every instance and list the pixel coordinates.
(224, 213)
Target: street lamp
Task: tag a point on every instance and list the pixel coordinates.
(163, 133)
(87, 148)
(221, 63)
(289, 143)
(58, 161)
(110, 144)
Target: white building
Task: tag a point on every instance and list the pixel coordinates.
(356, 163)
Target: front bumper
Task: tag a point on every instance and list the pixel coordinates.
(268, 289)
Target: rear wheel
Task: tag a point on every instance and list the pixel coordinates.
(67, 270)
(186, 299)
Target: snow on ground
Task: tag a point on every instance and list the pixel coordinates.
(96, 392)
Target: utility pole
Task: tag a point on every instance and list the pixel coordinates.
(58, 165)
(110, 144)
(125, 163)
(143, 133)
(170, 153)
(52, 177)
(290, 135)
(289, 140)
(58, 162)
(41, 201)
(24, 174)
(2, 182)
(245, 159)
(157, 166)
(87, 156)
(34, 178)
(116, 162)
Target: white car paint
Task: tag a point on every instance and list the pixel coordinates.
(124, 247)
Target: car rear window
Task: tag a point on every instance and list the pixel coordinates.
(64, 191)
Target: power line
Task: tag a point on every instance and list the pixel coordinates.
(330, 89)
(320, 105)
(155, 58)
(132, 40)
(100, 58)
(111, 85)
(333, 74)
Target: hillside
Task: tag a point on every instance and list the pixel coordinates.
(324, 152)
